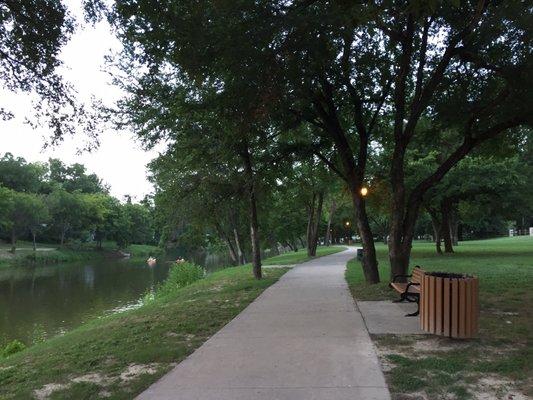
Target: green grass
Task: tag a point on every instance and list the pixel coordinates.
(25, 254)
(89, 360)
(300, 256)
(504, 347)
(55, 256)
(155, 336)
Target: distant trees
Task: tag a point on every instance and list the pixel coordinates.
(54, 202)
(22, 212)
(18, 175)
(74, 178)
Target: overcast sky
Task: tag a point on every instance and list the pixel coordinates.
(119, 161)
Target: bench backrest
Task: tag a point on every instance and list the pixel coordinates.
(418, 275)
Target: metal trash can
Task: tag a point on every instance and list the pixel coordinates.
(449, 304)
(359, 254)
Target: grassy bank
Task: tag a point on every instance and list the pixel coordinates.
(118, 356)
(52, 254)
(495, 365)
(295, 257)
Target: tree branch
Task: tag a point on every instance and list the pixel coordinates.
(329, 164)
(420, 104)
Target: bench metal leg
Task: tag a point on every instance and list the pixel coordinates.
(406, 297)
(415, 314)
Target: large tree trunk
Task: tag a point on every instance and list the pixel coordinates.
(446, 226)
(313, 223)
(332, 210)
(370, 262)
(254, 224)
(399, 255)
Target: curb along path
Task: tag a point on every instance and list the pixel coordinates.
(302, 338)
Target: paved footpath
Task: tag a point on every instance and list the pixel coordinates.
(302, 338)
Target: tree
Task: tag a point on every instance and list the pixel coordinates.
(142, 230)
(17, 174)
(32, 34)
(38, 218)
(22, 212)
(198, 181)
(360, 76)
(468, 181)
(74, 178)
(66, 212)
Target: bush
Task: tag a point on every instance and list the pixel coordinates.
(181, 274)
(13, 347)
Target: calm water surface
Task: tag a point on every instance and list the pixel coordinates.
(38, 302)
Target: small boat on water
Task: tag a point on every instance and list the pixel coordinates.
(151, 261)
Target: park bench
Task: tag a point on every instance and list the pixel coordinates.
(409, 291)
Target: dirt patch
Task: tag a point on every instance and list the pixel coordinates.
(131, 372)
(494, 387)
(432, 345)
(95, 378)
(480, 386)
(134, 370)
(216, 288)
(45, 392)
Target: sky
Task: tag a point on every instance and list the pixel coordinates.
(119, 161)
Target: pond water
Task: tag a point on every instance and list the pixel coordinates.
(38, 302)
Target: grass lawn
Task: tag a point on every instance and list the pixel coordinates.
(498, 363)
(300, 256)
(119, 356)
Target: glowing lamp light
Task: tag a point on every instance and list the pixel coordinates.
(347, 223)
(364, 191)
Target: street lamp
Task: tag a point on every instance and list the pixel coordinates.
(364, 191)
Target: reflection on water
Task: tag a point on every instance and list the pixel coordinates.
(40, 302)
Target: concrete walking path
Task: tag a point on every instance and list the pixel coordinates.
(302, 338)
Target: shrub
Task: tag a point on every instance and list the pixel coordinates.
(13, 347)
(181, 274)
